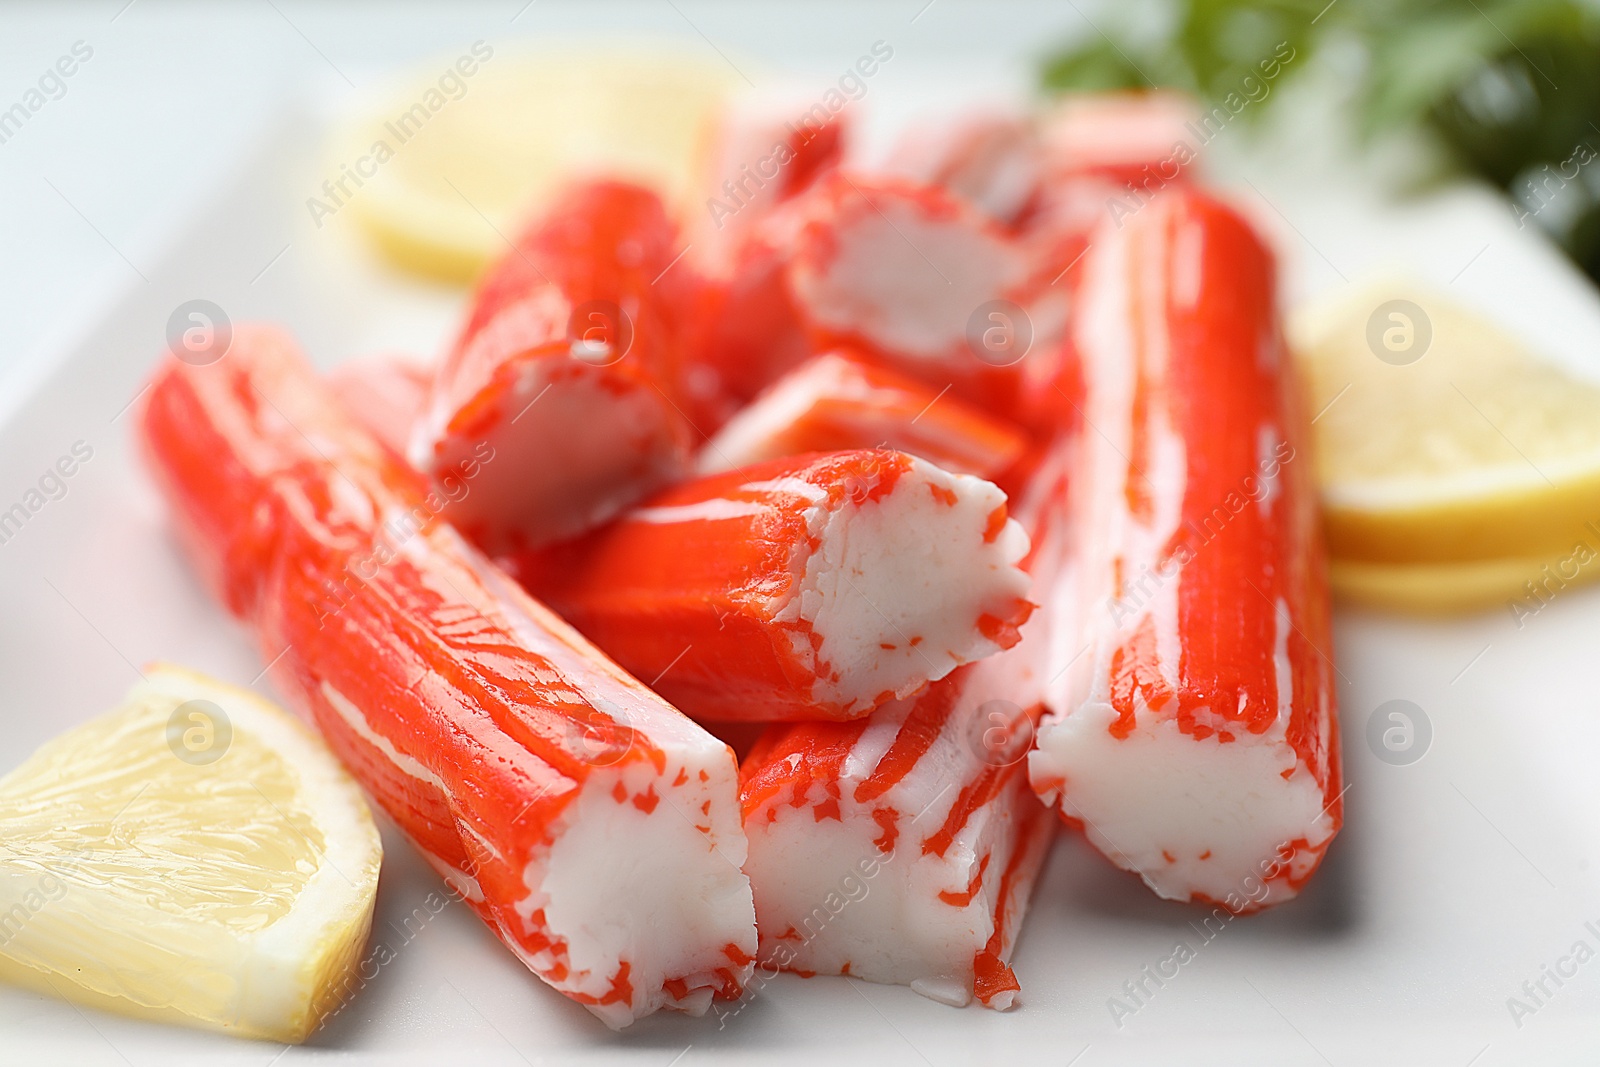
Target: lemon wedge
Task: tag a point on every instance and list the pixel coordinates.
(1441, 440)
(442, 173)
(1524, 587)
(195, 856)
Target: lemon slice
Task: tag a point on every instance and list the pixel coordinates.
(194, 856)
(1523, 587)
(1442, 440)
(459, 173)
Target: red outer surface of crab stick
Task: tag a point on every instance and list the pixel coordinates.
(566, 368)
(811, 587)
(764, 152)
(835, 402)
(588, 823)
(913, 276)
(386, 394)
(903, 847)
(744, 330)
(1193, 732)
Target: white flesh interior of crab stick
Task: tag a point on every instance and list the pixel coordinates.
(899, 268)
(902, 848)
(811, 587)
(560, 386)
(1193, 736)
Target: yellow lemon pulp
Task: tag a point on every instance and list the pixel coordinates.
(1442, 441)
(441, 175)
(195, 855)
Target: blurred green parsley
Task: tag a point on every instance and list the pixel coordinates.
(1509, 88)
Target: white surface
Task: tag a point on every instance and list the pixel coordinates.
(1455, 880)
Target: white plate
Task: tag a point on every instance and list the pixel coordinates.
(1456, 879)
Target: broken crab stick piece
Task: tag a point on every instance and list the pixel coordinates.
(744, 330)
(518, 759)
(912, 276)
(1104, 155)
(836, 402)
(811, 587)
(765, 151)
(1194, 736)
(1133, 138)
(385, 393)
(565, 368)
(902, 848)
(991, 160)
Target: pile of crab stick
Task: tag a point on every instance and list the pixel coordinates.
(765, 592)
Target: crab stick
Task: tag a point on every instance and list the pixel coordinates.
(385, 393)
(835, 402)
(989, 159)
(811, 587)
(1140, 139)
(1104, 155)
(1192, 733)
(566, 368)
(914, 277)
(744, 330)
(900, 848)
(764, 151)
(594, 828)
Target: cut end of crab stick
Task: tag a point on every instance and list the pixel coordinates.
(592, 826)
(385, 393)
(1241, 823)
(596, 832)
(558, 395)
(915, 277)
(989, 159)
(636, 879)
(550, 445)
(1193, 736)
(899, 268)
(901, 848)
(816, 586)
(836, 402)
